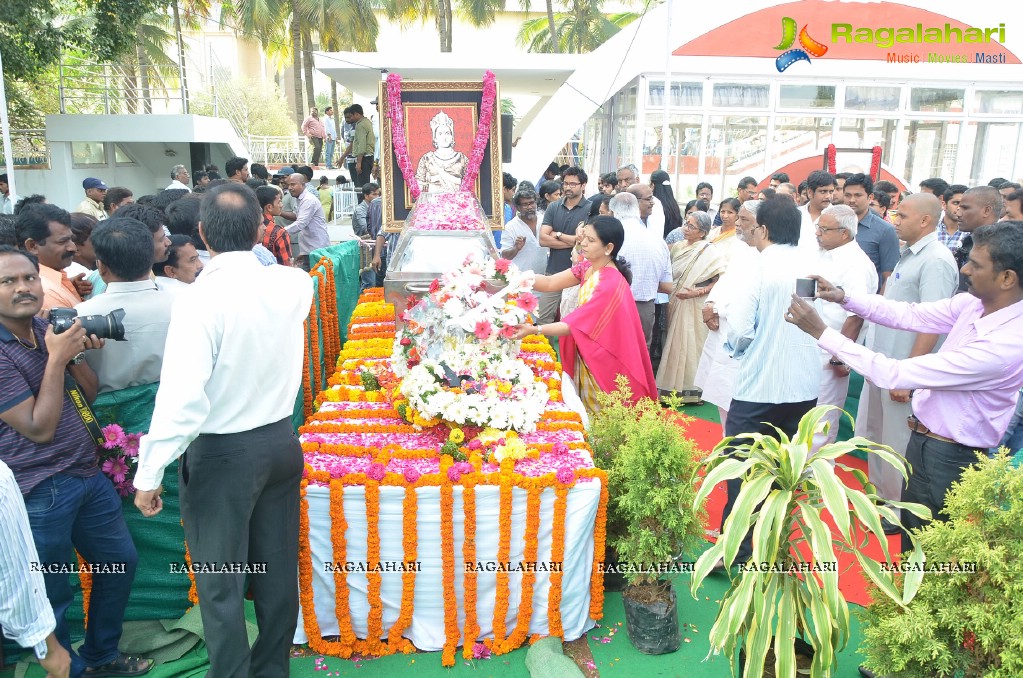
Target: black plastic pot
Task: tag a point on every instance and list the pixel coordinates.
(803, 649)
(653, 627)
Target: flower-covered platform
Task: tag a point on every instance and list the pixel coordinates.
(417, 533)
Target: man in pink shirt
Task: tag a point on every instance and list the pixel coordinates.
(312, 127)
(965, 393)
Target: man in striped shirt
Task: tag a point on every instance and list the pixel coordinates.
(45, 442)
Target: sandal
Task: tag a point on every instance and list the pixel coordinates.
(124, 665)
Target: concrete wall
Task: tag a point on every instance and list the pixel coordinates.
(154, 143)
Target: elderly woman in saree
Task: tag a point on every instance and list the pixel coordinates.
(696, 265)
(442, 169)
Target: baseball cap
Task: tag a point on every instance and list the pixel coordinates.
(285, 171)
(92, 182)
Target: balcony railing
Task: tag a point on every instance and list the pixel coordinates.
(29, 149)
(278, 150)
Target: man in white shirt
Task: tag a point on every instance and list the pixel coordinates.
(310, 224)
(331, 135)
(778, 380)
(843, 259)
(26, 615)
(654, 219)
(521, 237)
(241, 471)
(7, 199)
(179, 179)
(821, 186)
(646, 254)
(124, 250)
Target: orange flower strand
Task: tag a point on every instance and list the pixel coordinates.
(503, 556)
(525, 613)
(599, 539)
(472, 627)
(374, 578)
(557, 556)
(410, 527)
(85, 581)
(339, 540)
(447, 537)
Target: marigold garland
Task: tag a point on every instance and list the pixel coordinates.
(338, 532)
(525, 612)
(503, 556)
(599, 539)
(193, 592)
(410, 536)
(557, 556)
(375, 629)
(85, 580)
(447, 536)
(472, 627)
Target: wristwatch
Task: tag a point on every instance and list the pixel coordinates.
(557, 235)
(78, 359)
(41, 649)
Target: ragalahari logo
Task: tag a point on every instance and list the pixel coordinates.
(788, 38)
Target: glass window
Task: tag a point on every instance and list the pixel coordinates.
(736, 147)
(121, 156)
(866, 133)
(799, 136)
(993, 150)
(1001, 102)
(88, 153)
(735, 95)
(682, 93)
(806, 96)
(936, 100)
(872, 98)
(683, 147)
(930, 147)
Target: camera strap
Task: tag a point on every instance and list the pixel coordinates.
(74, 392)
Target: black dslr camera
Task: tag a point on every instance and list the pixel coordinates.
(103, 326)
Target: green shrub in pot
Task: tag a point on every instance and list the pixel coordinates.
(783, 593)
(967, 618)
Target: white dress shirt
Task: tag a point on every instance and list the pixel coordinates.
(655, 222)
(849, 267)
(532, 256)
(808, 233)
(177, 186)
(25, 612)
(170, 284)
(780, 362)
(7, 203)
(647, 255)
(147, 314)
(226, 328)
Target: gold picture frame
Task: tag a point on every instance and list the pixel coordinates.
(455, 99)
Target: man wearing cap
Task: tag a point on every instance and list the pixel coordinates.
(95, 191)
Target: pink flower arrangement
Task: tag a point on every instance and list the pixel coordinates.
(479, 144)
(411, 474)
(118, 457)
(396, 114)
(565, 476)
(376, 471)
(502, 265)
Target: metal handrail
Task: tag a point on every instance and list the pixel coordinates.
(286, 150)
(29, 149)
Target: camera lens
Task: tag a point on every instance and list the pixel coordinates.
(107, 326)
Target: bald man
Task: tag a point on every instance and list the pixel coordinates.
(310, 225)
(926, 272)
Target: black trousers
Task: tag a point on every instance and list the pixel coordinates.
(317, 150)
(362, 178)
(747, 417)
(240, 505)
(935, 466)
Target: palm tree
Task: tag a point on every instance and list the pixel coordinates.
(479, 13)
(583, 28)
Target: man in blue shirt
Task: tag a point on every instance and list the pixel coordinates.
(874, 235)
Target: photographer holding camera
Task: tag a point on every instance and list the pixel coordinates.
(124, 254)
(47, 442)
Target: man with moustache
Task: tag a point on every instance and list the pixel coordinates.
(558, 233)
(520, 234)
(980, 206)
(44, 231)
(948, 230)
(821, 187)
(310, 225)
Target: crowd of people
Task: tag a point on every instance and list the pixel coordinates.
(196, 287)
(918, 292)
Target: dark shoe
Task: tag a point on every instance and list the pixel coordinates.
(890, 528)
(124, 665)
(867, 673)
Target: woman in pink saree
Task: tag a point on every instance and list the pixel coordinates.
(602, 337)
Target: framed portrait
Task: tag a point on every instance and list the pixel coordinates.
(441, 120)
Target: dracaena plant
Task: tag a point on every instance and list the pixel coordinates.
(790, 585)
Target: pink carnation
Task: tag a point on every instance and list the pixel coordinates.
(474, 444)
(508, 331)
(454, 474)
(411, 475)
(527, 302)
(565, 476)
(480, 651)
(502, 265)
(559, 448)
(113, 436)
(376, 471)
(464, 467)
(483, 330)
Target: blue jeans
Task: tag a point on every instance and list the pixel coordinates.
(84, 513)
(330, 153)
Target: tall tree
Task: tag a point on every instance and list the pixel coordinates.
(582, 29)
(479, 13)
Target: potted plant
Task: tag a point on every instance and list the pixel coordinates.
(789, 587)
(648, 477)
(966, 618)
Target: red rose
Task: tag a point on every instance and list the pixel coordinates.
(405, 341)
